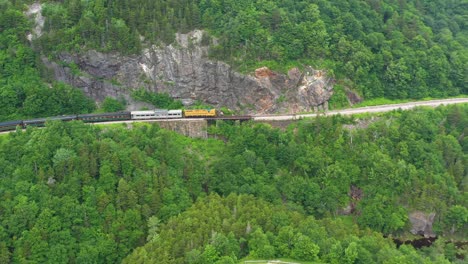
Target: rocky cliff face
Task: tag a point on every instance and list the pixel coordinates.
(184, 71)
(422, 223)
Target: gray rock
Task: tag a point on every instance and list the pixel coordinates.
(184, 71)
(353, 97)
(192, 128)
(51, 181)
(422, 223)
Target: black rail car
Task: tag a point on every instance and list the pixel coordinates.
(40, 122)
(10, 125)
(104, 117)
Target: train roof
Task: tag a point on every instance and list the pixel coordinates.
(104, 114)
(44, 119)
(201, 109)
(148, 112)
(6, 123)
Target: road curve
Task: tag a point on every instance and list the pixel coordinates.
(367, 109)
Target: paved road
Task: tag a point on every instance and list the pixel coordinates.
(368, 109)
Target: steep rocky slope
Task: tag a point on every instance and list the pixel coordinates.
(184, 71)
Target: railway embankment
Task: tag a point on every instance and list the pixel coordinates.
(190, 128)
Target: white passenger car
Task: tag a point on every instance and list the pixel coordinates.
(144, 114)
(156, 114)
(174, 113)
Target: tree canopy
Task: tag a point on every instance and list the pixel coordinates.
(24, 90)
(107, 194)
(393, 49)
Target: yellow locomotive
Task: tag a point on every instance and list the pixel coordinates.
(200, 113)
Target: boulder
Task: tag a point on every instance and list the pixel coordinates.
(422, 223)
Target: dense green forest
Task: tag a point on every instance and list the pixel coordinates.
(77, 193)
(393, 49)
(24, 92)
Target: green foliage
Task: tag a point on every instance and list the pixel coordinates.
(392, 49)
(115, 25)
(159, 100)
(98, 195)
(23, 93)
(259, 245)
(226, 111)
(386, 48)
(339, 98)
(382, 216)
(113, 194)
(457, 216)
(304, 248)
(200, 105)
(113, 105)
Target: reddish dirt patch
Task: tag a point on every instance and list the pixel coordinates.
(264, 72)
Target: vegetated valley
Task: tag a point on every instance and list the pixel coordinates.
(77, 193)
(326, 190)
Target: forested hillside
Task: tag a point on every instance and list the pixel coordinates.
(75, 193)
(394, 49)
(23, 89)
(332, 189)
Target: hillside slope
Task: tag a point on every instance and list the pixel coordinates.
(396, 49)
(393, 49)
(72, 192)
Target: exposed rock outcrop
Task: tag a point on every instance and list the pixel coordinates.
(35, 13)
(184, 71)
(192, 128)
(422, 223)
(355, 194)
(353, 97)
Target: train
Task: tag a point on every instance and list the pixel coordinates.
(117, 116)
